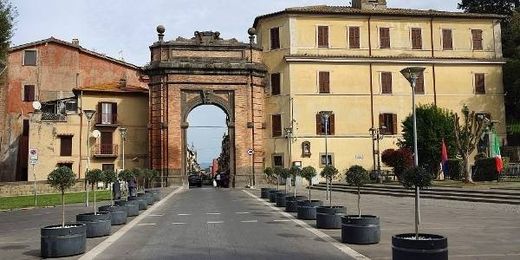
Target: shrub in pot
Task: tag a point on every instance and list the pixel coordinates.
(126, 176)
(291, 201)
(359, 229)
(329, 217)
(268, 175)
(118, 214)
(418, 245)
(65, 239)
(98, 223)
(306, 209)
(280, 197)
(151, 176)
(273, 194)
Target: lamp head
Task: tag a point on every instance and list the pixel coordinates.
(412, 73)
(123, 132)
(89, 113)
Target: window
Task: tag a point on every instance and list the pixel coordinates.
(275, 84)
(416, 38)
(278, 160)
(107, 113)
(386, 83)
(29, 93)
(447, 39)
(419, 84)
(29, 58)
(107, 167)
(476, 35)
(306, 149)
(480, 83)
(65, 164)
(276, 125)
(107, 145)
(275, 38)
(320, 124)
(324, 81)
(323, 36)
(65, 145)
(384, 38)
(326, 159)
(353, 37)
(389, 123)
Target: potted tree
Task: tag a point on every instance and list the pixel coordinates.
(132, 205)
(130, 177)
(264, 192)
(65, 239)
(118, 214)
(147, 176)
(277, 170)
(98, 223)
(306, 209)
(152, 176)
(418, 245)
(280, 196)
(291, 201)
(359, 229)
(329, 217)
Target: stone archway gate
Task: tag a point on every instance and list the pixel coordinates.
(206, 69)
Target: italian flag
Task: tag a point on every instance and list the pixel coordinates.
(495, 151)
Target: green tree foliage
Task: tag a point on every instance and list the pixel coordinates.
(126, 175)
(504, 7)
(62, 179)
(329, 172)
(357, 175)
(400, 160)
(150, 176)
(94, 177)
(308, 173)
(295, 171)
(433, 125)
(7, 18)
(109, 176)
(269, 174)
(416, 177)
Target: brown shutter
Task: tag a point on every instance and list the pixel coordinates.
(381, 120)
(384, 38)
(477, 39)
(447, 39)
(98, 112)
(66, 146)
(324, 82)
(416, 39)
(419, 84)
(332, 125)
(275, 38)
(394, 124)
(318, 124)
(386, 82)
(480, 85)
(275, 84)
(114, 113)
(29, 93)
(276, 125)
(353, 37)
(323, 36)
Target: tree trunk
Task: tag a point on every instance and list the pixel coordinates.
(63, 208)
(330, 191)
(359, 201)
(111, 195)
(310, 184)
(94, 188)
(467, 169)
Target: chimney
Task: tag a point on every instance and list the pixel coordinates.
(369, 4)
(75, 41)
(122, 83)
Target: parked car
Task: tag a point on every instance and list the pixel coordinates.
(195, 180)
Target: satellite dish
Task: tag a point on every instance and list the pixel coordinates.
(36, 105)
(96, 133)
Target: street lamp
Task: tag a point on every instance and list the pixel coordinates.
(123, 132)
(288, 134)
(89, 114)
(412, 74)
(377, 135)
(325, 115)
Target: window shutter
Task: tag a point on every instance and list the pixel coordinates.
(353, 37)
(275, 38)
(66, 146)
(29, 93)
(480, 85)
(416, 38)
(98, 113)
(114, 113)
(386, 82)
(419, 85)
(324, 82)
(323, 36)
(275, 84)
(477, 39)
(318, 124)
(381, 120)
(447, 39)
(384, 38)
(332, 125)
(276, 125)
(394, 124)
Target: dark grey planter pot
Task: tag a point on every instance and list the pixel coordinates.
(118, 214)
(60, 242)
(291, 204)
(280, 199)
(143, 204)
(329, 217)
(132, 207)
(97, 225)
(362, 230)
(307, 209)
(264, 192)
(272, 195)
(156, 194)
(433, 247)
(149, 198)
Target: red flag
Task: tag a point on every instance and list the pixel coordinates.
(444, 157)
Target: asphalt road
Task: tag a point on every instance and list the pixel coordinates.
(205, 223)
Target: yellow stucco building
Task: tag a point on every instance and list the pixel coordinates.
(347, 60)
(59, 131)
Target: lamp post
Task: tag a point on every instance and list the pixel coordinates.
(412, 74)
(325, 115)
(89, 114)
(288, 134)
(377, 135)
(123, 132)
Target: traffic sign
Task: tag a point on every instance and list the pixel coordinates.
(33, 156)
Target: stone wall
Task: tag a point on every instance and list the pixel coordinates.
(10, 189)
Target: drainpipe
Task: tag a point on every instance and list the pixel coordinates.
(433, 64)
(80, 131)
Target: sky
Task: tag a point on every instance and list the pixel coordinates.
(125, 29)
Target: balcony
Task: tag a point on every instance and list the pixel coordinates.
(105, 151)
(106, 120)
(54, 117)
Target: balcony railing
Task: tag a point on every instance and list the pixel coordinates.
(109, 119)
(105, 150)
(53, 117)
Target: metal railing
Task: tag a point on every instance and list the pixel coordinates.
(105, 150)
(53, 117)
(107, 119)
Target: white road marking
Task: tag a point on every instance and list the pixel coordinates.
(215, 222)
(183, 214)
(156, 215)
(178, 223)
(342, 247)
(121, 232)
(242, 212)
(249, 221)
(213, 213)
(281, 220)
(147, 224)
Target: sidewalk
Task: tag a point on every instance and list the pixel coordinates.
(20, 229)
